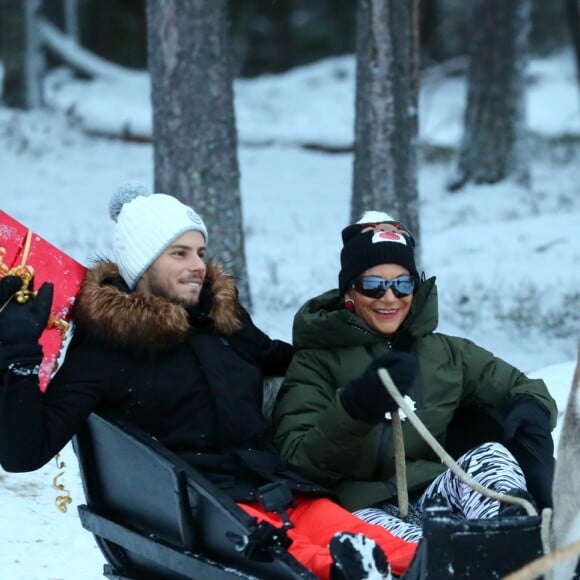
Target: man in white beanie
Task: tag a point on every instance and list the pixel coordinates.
(161, 340)
(146, 224)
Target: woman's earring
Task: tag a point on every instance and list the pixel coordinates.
(349, 304)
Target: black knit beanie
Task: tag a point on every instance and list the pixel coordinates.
(375, 239)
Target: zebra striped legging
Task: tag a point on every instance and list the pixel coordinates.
(490, 464)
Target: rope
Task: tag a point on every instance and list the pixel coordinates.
(443, 455)
(545, 563)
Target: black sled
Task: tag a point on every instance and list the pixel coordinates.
(154, 517)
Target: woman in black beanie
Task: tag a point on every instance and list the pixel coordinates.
(332, 420)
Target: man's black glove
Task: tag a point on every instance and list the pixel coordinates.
(367, 399)
(21, 325)
(528, 435)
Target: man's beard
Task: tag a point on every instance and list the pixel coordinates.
(190, 304)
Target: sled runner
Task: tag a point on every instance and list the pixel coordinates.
(155, 517)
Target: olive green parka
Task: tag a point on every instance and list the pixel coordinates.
(334, 346)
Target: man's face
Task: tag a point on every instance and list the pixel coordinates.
(179, 272)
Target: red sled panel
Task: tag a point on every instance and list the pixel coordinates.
(21, 247)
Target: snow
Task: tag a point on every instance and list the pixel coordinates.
(506, 259)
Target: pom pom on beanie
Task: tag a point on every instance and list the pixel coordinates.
(124, 194)
(146, 224)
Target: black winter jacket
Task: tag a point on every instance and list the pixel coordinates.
(194, 381)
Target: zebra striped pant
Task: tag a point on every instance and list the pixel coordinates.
(490, 464)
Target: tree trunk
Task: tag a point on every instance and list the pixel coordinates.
(494, 145)
(116, 31)
(195, 140)
(573, 9)
(71, 19)
(385, 162)
(21, 53)
(445, 33)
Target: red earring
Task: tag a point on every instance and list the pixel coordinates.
(349, 304)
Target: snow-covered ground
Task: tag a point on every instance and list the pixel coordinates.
(507, 259)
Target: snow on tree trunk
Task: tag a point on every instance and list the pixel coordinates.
(385, 160)
(494, 145)
(21, 53)
(195, 140)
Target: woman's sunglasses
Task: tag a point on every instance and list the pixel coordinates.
(376, 287)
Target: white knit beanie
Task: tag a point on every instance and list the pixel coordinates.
(146, 224)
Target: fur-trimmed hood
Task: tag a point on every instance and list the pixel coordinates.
(107, 310)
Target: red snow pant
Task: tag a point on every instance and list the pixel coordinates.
(316, 520)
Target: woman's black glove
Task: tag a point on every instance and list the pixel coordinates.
(367, 399)
(528, 435)
(21, 325)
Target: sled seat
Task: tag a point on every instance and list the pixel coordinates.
(478, 549)
(155, 517)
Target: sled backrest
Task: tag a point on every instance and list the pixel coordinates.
(154, 516)
(490, 548)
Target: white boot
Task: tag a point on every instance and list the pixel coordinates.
(356, 557)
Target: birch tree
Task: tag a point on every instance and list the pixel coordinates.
(195, 139)
(385, 156)
(494, 145)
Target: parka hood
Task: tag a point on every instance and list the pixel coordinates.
(106, 309)
(324, 322)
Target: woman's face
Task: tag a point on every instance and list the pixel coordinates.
(385, 314)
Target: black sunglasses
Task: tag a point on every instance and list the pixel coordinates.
(376, 287)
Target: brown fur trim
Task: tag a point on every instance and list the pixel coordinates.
(225, 310)
(130, 318)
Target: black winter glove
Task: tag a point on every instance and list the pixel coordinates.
(21, 325)
(528, 435)
(367, 399)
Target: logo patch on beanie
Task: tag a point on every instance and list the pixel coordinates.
(194, 217)
(383, 236)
